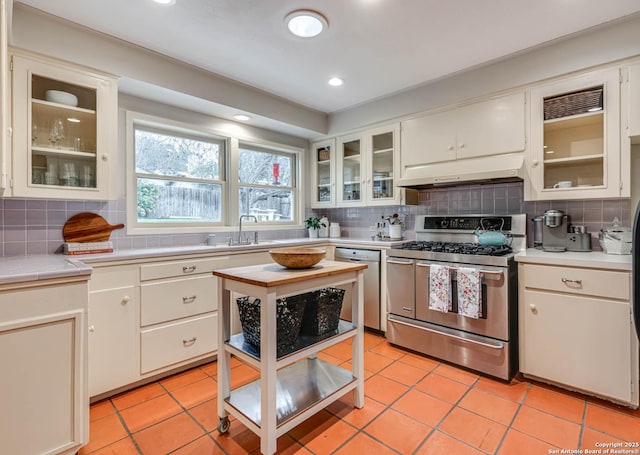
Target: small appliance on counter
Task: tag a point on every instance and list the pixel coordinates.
(616, 239)
(554, 231)
(537, 231)
(578, 239)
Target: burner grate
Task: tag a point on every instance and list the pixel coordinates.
(458, 248)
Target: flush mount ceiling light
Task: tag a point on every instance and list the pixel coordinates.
(306, 23)
(241, 117)
(166, 2)
(335, 81)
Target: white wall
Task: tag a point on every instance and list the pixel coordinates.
(605, 44)
(45, 34)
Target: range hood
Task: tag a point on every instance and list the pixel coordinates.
(494, 168)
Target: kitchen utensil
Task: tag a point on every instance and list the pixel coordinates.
(491, 237)
(616, 239)
(88, 227)
(298, 258)
(60, 97)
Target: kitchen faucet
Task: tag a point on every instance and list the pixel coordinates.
(255, 220)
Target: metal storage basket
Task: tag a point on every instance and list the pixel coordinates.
(322, 312)
(289, 312)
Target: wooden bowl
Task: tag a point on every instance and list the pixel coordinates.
(298, 258)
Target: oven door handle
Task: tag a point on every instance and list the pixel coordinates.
(497, 346)
(495, 275)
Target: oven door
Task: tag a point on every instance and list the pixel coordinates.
(494, 322)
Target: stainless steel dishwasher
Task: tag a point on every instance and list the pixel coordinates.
(371, 284)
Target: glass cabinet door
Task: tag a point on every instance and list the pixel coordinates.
(65, 121)
(351, 160)
(63, 134)
(573, 139)
(323, 169)
(575, 150)
(382, 152)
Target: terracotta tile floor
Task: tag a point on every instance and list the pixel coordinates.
(413, 405)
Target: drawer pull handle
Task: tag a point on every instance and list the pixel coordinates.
(189, 342)
(567, 280)
(188, 299)
(406, 308)
(188, 269)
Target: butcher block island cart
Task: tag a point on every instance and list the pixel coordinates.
(294, 386)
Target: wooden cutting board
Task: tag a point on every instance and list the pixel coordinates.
(88, 227)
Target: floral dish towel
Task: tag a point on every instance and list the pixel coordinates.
(439, 288)
(469, 293)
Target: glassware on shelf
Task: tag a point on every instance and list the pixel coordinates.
(86, 177)
(35, 133)
(51, 176)
(56, 135)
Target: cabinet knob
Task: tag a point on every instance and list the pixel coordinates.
(533, 308)
(535, 163)
(461, 146)
(92, 328)
(125, 300)
(105, 157)
(450, 148)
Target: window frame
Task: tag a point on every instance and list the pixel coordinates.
(230, 182)
(293, 186)
(168, 127)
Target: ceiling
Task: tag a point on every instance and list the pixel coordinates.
(379, 47)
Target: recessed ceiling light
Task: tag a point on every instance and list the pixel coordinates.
(306, 23)
(336, 81)
(165, 2)
(241, 117)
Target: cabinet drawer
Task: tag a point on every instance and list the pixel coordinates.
(175, 299)
(104, 278)
(182, 268)
(178, 341)
(601, 283)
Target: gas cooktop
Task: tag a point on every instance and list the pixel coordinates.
(458, 248)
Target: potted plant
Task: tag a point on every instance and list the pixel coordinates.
(313, 225)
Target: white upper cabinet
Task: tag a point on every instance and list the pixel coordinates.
(64, 121)
(323, 174)
(492, 127)
(357, 169)
(634, 102)
(576, 139)
(4, 98)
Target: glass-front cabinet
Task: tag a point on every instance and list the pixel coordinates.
(323, 158)
(576, 149)
(368, 163)
(350, 169)
(64, 130)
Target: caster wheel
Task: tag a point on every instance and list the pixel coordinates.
(223, 425)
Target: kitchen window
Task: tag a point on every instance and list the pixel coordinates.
(181, 179)
(266, 183)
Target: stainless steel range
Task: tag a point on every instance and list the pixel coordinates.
(487, 341)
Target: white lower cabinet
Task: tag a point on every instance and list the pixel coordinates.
(152, 317)
(113, 339)
(177, 341)
(43, 385)
(576, 331)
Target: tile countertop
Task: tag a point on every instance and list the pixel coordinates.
(32, 268)
(592, 259)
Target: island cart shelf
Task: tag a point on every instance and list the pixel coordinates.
(296, 385)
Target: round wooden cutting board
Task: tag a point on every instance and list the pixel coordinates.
(88, 227)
